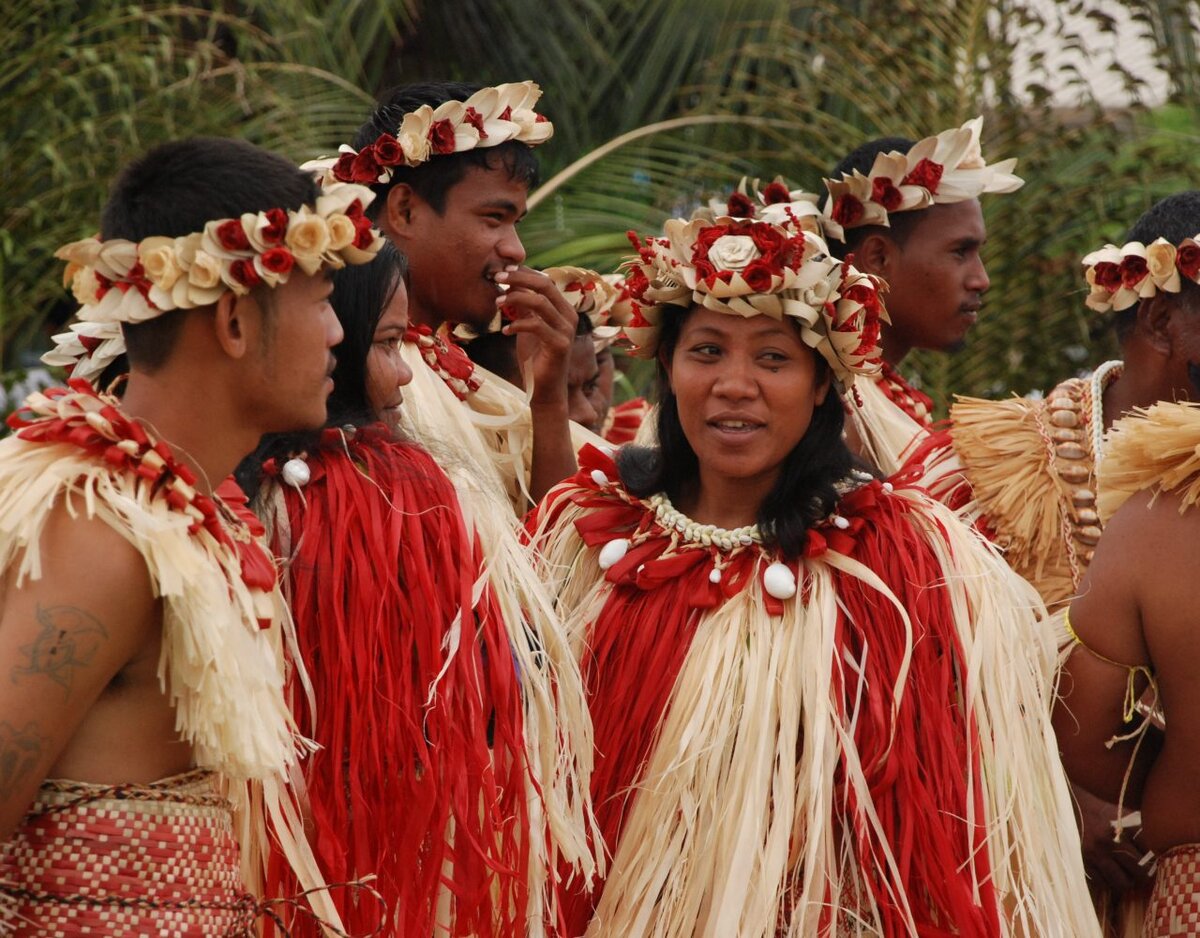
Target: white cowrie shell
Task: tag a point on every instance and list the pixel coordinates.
(612, 552)
(779, 581)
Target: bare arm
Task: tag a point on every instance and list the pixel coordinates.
(63, 638)
(545, 320)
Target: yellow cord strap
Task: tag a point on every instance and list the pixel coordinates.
(1131, 695)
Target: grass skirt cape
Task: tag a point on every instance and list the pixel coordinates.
(872, 756)
(425, 777)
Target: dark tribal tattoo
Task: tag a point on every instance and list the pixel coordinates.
(67, 642)
(20, 752)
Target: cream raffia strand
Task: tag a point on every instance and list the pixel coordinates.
(216, 665)
(887, 433)
(1155, 448)
(483, 445)
(732, 825)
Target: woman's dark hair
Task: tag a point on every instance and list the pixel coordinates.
(805, 492)
(360, 295)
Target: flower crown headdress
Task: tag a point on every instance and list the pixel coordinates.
(488, 118)
(938, 170)
(119, 281)
(774, 203)
(1119, 277)
(602, 298)
(745, 267)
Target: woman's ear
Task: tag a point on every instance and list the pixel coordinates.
(1154, 322)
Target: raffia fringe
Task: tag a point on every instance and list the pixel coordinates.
(483, 445)
(1004, 457)
(1157, 448)
(209, 628)
(731, 831)
(887, 432)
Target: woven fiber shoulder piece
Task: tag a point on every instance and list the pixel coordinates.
(223, 619)
(1031, 469)
(1154, 448)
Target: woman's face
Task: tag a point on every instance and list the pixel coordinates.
(386, 370)
(746, 390)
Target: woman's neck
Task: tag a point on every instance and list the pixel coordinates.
(723, 501)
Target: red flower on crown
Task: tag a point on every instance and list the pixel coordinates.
(1108, 276)
(242, 270)
(278, 260)
(885, 193)
(740, 206)
(847, 210)
(441, 137)
(475, 119)
(1187, 259)
(775, 193)
(388, 151)
(232, 236)
(1133, 270)
(927, 174)
(277, 223)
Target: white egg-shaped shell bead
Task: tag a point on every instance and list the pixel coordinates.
(599, 477)
(296, 472)
(779, 581)
(612, 552)
(714, 576)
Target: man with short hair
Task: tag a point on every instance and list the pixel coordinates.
(452, 165)
(910, 214)
(142, 634)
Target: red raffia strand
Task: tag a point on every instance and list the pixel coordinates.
(447, 359)
(383, 562)
(916, 758)
(952, 489)
(905, 396)
(625, 419)
(127, 446)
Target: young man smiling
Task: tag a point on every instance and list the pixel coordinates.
(909, 213)
(452, 165)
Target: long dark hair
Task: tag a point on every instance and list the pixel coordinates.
(806, 491)
(360, 295)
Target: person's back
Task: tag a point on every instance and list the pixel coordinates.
(141, 626)
(1135, 620)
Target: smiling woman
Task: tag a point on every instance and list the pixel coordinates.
(824, 647)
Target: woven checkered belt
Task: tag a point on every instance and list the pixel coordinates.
(156, 859)
(1175, 902)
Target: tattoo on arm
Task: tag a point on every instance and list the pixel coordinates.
(67, 642)
(20, 751)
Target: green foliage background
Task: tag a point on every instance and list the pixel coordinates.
(762, 87)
